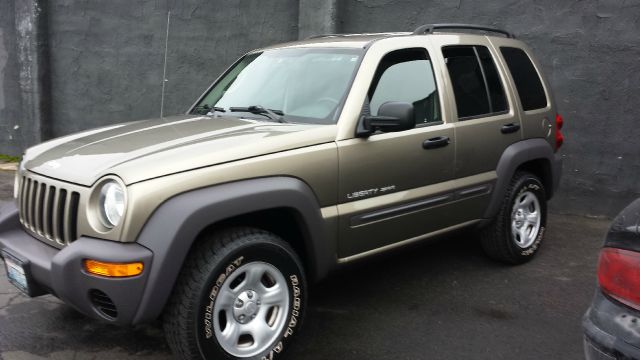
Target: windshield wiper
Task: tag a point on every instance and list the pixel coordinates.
(206, 108)
(259, 110)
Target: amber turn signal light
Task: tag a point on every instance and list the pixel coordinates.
(113, 269)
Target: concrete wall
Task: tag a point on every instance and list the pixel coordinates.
(106, 58)
(11, 140)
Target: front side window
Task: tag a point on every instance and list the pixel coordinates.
(406, 75)
(476, 85)
(303, 84)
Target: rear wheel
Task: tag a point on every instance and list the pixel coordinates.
(515, 235)
(241, 295)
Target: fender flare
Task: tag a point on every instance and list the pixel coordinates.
(175, 225)
(515, 155)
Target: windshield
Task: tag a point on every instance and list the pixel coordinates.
(302, 85)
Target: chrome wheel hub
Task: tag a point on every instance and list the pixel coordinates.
(526, 219)
(251, 309)
(246, 306)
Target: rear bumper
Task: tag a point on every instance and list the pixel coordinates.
(60, 272)
(612, 330)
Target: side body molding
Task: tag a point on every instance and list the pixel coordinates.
(174, 226)
(514, 156)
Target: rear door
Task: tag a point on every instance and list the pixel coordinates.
(486, 122)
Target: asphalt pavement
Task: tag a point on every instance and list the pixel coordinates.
(6, 184)
(439, 300)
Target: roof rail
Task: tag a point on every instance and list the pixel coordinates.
(355, 35)
(322, 36)
(431, 28)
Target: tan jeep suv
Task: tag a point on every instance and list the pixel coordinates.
(299, 158)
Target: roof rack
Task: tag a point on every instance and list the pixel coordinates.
(322, 36)
(431, 28)
(354, 35)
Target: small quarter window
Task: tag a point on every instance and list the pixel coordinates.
(476, 84)
(526, 78)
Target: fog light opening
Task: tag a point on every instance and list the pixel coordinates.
(103, 304)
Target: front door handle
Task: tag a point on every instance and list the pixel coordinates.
(436, 142)
(510, 128)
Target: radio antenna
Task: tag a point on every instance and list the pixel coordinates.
(164, 70)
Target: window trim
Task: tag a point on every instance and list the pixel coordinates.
(486, 84)
(483, 116)
(429, 123)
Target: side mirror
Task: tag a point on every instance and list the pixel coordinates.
(392, 116)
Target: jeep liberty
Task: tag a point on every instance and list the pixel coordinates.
(299, 158)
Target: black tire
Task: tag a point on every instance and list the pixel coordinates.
(498, 240)
(190, 314)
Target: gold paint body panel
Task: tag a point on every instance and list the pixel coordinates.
(161, 158)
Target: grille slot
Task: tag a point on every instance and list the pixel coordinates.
(72, 219)
(59, 214)
(42, 188)
(47, 211)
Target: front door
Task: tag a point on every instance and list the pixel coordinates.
(391, 184)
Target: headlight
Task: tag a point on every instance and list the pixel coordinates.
(111, 203)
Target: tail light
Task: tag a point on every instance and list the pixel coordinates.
(619, 275)
(559, 136)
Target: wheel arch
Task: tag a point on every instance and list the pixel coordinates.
(180, 221)
(286, 222)
(533, 155)
(540, 167)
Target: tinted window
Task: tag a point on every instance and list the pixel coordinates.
(526, 78)
(494, 84)
(406, 75)
(468, 83)
(476, 84)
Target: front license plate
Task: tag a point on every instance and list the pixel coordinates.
(16, 273)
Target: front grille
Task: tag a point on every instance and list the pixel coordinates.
(47, 211)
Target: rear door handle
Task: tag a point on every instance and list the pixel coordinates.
(436, 142)
(510, 128)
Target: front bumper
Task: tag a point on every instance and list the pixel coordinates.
(61, 273)
(612, 330)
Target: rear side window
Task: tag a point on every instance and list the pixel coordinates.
(476, 84)
(525, 76)
(494, 85)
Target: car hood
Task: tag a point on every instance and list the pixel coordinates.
(147, 149)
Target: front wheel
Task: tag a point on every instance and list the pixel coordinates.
(241, 295)
(515, 235)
